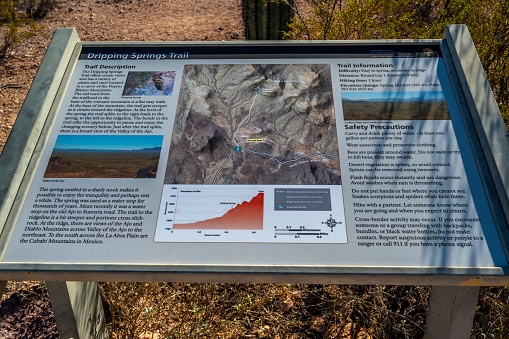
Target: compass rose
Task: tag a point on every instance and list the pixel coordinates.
(331, 222)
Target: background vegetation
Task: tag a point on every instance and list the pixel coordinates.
(18, 21)
(265, 20)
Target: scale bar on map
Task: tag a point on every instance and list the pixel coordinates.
(300, 233)
(297, 230)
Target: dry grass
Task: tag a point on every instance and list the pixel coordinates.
(179, 310)
(492, 313)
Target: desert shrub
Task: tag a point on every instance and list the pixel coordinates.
(13, 27)
(9, 28)
(38, 9)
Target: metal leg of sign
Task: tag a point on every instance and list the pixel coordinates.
(451, 312)
(78, 309)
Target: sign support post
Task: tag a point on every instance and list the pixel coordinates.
(451, 312)
(78, 309)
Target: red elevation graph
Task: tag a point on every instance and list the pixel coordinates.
(247, 215)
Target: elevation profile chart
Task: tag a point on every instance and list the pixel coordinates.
(241, 211)
(250, 213)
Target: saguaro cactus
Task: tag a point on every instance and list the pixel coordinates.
(265, 20)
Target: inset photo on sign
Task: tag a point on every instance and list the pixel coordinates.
(105, 156)
(425, 105)
(154, 83)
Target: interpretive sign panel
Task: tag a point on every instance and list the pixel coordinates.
(321, 154)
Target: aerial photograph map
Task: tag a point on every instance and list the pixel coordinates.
(270, 124)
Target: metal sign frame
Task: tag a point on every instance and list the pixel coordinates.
(483, 124)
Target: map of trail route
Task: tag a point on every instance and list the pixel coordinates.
(255, 124)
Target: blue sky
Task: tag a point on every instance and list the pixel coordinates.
(108, 142)
(397, 95)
